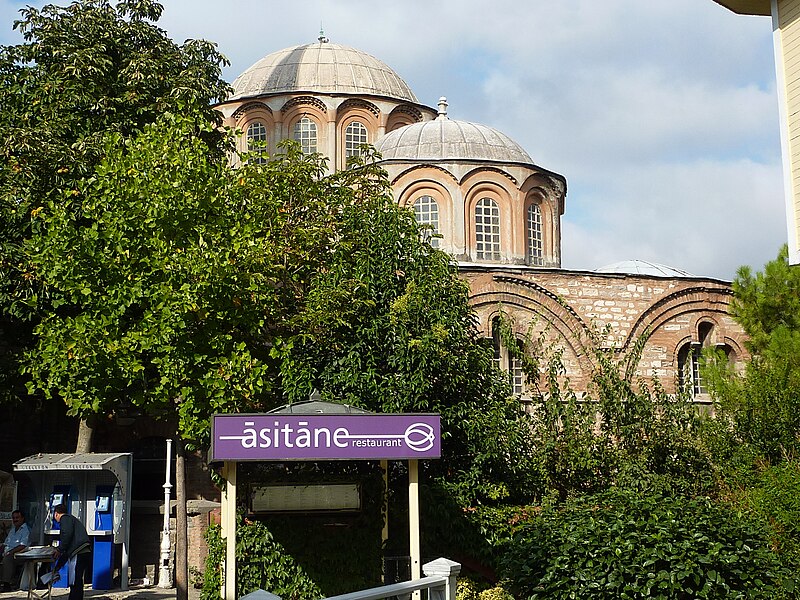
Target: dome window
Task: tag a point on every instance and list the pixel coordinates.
(426, 211)
(534, 223)
(305, 132)
(257, 141)
(354, 137)
(487, 230)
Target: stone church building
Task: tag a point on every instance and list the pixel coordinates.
(491, 207)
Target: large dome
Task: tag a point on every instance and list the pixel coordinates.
(444, 139)
(321, 67)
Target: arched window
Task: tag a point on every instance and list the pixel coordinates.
(257, 141)
(534, 226)
(689, 357)
(506, 361)
(305, 132)
(426, 211)
(518, 377)
(487, 230)
(689, 368)
(354, 136)
(497, 344)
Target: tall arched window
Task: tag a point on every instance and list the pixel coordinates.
(257, 141)
(354, 136)
(487, 230)
(426, 211)
(689, 357)
(506, 361)
(689, 368)
(305, 132)
(518, 377)
(534, 226)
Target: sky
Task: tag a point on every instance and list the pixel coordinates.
(661, 114)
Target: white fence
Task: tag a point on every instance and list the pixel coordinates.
(439, 581)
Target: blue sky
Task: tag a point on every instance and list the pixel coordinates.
(661, 114)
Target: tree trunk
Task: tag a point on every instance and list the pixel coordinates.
(181, 558)
(85, 435)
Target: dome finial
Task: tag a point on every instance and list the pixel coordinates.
(322, 39)
(442, 108)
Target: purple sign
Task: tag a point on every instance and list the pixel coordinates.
(325, 437)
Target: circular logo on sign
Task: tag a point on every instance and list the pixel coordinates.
(419, 437)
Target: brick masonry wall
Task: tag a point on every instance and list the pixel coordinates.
(569, 305)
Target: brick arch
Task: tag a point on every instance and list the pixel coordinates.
(504, 196)
(444, 201)
(422, 167)
(307, 101)
(242, 110)
(695, 299)
(359, 104)
(401, 116)
(479, 171)
(736, 345)
(532, 298)
(349, 112)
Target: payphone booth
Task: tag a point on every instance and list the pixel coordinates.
(96, 488)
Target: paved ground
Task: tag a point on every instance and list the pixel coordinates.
(135, 593)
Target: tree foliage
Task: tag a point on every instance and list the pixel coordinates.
(761, 406)
(387, 326)
(625, 430)
(187, 288)
(174, 275)
(767, 305)
(85, 70)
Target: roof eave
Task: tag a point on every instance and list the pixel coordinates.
(747, 7)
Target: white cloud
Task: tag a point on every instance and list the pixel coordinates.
(706, 217)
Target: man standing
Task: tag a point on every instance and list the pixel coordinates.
(17, 540)
(73, 547)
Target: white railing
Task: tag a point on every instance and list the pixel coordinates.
(439, 581)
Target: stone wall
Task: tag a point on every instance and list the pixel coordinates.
(578, 310)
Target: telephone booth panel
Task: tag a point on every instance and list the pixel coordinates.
(96, 489)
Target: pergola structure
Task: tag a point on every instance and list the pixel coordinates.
(786, 42)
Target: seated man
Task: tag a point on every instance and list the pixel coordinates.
(17, 540)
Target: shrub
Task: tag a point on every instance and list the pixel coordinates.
(774, 498)
(625, 544)
(261, 564)
(466, 589)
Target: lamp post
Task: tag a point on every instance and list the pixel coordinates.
(164, 579)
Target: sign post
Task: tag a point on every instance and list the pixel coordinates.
(320, 437)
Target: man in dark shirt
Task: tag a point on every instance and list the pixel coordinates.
(73, 544)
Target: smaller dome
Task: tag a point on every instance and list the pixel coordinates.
(444, 139)
(643, 267)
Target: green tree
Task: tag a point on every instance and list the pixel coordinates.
(174, 275)
(767, 305)
(624, 431)
(761, 406)
(83, 70)
(189, 288)
(755, 438)
(387, 326)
